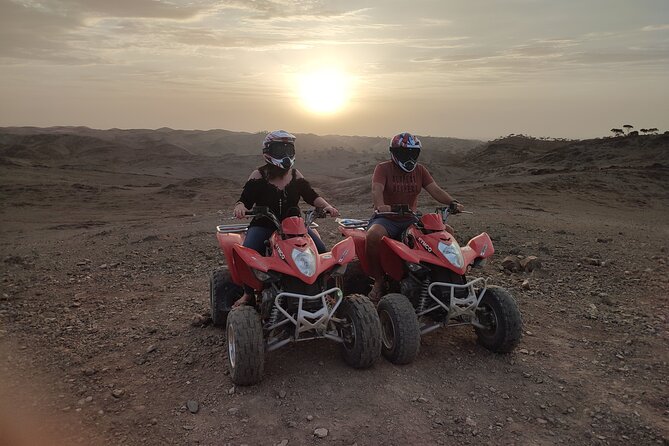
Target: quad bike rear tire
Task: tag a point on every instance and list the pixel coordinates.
(500, 310)
(246, 347)
(362, 335)
(222, 295)
(355, 280)
(400, 333)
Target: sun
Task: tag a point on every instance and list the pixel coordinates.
(324, 91)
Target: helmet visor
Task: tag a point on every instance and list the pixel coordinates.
(403, 155)
(281, 150)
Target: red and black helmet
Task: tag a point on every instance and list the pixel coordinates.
(404, 149)
(279, 149)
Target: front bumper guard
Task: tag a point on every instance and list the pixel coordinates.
(459, 306)
(316, 322)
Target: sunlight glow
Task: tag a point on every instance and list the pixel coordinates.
(324, 91)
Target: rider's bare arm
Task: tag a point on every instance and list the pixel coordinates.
(311, 196)
(377, 197)
(441, 195)
(327, 207)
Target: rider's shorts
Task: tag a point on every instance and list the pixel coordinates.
(394, 227)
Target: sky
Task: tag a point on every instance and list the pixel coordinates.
(458, 68)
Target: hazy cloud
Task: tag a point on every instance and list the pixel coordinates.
(656, 27)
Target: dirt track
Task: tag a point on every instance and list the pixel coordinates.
(102, 275)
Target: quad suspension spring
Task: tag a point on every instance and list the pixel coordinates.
(274, 315)
(423, 299)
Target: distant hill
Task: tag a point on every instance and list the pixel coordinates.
(342, 165)
(167, 141)
(520, 154)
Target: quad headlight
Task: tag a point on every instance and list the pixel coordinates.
(305, 261)
(452, 253)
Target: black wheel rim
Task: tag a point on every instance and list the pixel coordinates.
(232, 349)
(387, 330)
(348, 334)
(488, 318)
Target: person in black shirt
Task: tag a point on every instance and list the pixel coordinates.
(279, 186)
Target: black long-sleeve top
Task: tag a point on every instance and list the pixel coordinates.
(283, 203)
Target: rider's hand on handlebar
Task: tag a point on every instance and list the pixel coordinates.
(331, 210)
(459, 206)
(240, 210)
(384, 208)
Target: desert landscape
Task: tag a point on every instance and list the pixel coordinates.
(108, 240)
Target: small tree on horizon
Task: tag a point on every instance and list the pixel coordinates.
(628, 127)
(617, 132)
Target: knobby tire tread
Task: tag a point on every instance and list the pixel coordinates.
(407, 332)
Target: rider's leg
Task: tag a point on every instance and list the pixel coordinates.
(315, 236)
(255, 239)
(374, 235)
(378, 228)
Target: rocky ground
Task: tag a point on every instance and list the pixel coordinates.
(104, 281)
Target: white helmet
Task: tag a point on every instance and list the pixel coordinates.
(279, 149)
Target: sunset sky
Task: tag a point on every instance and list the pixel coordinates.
(461, 68)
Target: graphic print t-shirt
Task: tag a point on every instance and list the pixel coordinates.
(401, 187)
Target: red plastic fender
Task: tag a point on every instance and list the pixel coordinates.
(280, 261)
(360, 239)
(396, 253)
(343, 252)
(227, 241)
(392, 254)
(244, 256)
(479, 246)
(433, 222)
(293, 226)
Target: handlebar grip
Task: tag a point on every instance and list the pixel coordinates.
(453, 207)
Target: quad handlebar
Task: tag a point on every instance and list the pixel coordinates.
(265, 211)
(403, 210)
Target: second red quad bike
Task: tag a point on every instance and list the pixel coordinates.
(425, 273)
(295, 297)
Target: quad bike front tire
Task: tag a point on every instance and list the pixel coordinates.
(222, 295)
(499, 312)
(400, 333)
(246, 347)
(362, 331)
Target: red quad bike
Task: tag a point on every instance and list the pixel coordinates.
(426, 272)
(295, 297)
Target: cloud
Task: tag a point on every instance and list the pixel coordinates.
(289, 9)
(656, 27)
(61, 31)
(119, 8)
(541, 49)
(560, 59)
(34, 33)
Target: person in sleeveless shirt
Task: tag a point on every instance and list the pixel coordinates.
(279, 186)
(398, 181)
